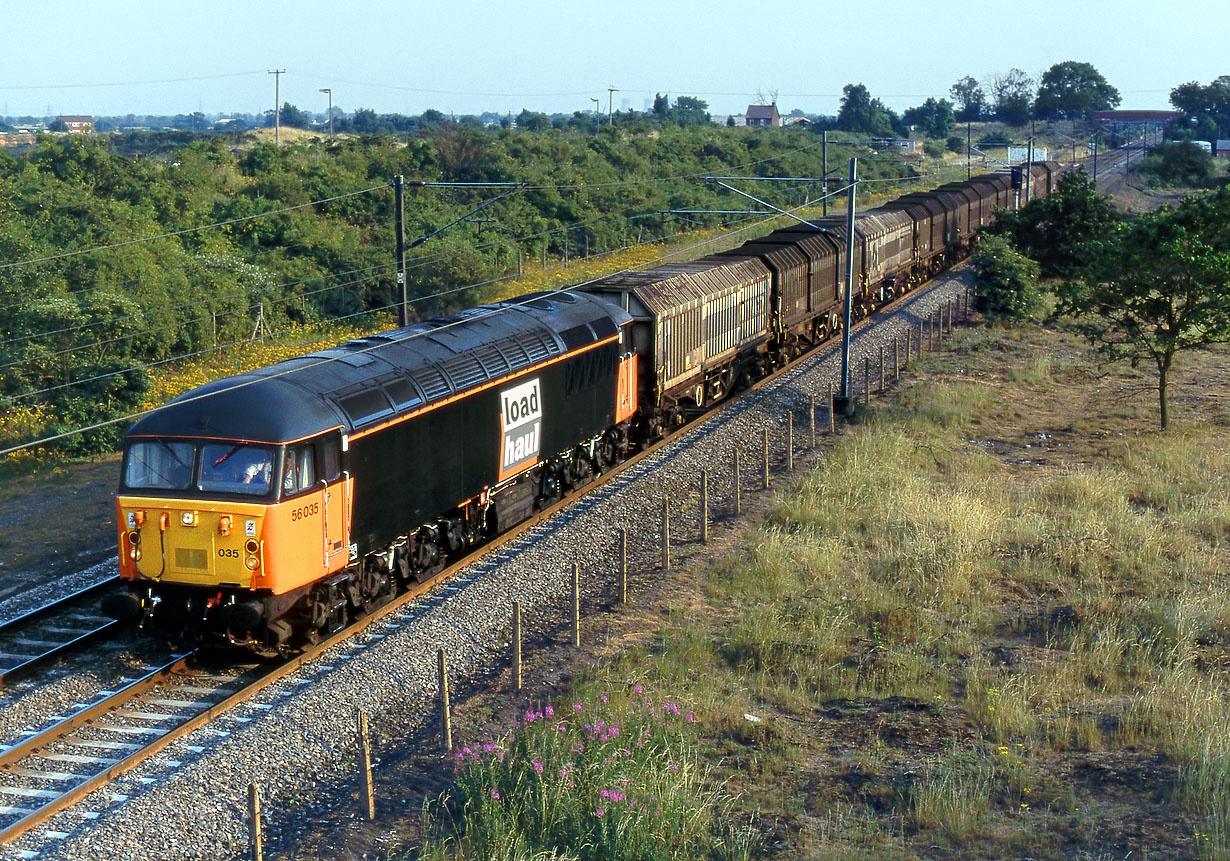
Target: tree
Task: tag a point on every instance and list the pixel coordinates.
(1057, 231)
(534, 121)
(1208, 108)
(661, 104)
(689, 111)
(934, 117)
(1158, 287)
(1073, 90)
(292, 116)
(861, 113)
(1007, 280)
(1178, 163)
(971, 99)
(1011, 96)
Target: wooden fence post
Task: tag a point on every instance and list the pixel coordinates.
(832, 418)
(254, 822)
(623, 566)
(516, 645)
(790, 441)
(576, 605)
(365, 751)
(704, 506)
(881, 369)
(811, 420)
(666, 535)
(764, 437)
(446, 718)
(866, 381)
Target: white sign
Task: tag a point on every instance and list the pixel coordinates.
(1019, 154)
(521, 423)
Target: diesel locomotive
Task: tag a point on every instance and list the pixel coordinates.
(266, 509)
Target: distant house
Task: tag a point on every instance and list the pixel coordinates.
(763, 115)
(79, 125)
(1223, 149)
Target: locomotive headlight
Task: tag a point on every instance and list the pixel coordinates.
(252, 548)
(224, 525)
(188, 518)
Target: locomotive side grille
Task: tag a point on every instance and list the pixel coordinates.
(512, 350)
(535, 347)
(493, 361)
(465, 371)
(432, 382)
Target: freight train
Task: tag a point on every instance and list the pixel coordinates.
(266, 509)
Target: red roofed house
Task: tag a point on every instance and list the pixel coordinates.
(763, 115)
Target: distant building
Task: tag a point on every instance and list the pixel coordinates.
(78, 125)
(763, 115)
(796, 121)
(1223, 148)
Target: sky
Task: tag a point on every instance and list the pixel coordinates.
(115, 57)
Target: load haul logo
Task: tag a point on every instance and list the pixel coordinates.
(521, 423)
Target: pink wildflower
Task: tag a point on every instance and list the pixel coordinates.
(637, 689)
(599, 812)
(495, 793)
(550, 712)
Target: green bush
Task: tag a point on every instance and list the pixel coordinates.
(1007, 281)
(956, 144)
(935, 149)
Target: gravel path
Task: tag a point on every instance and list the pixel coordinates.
(295, 739)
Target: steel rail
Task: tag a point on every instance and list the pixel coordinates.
(59, 604)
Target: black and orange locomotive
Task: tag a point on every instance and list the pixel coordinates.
(266, 508)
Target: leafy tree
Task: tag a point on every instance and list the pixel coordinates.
(533, 121)
(934, 116)
(1208, 108)
(1073, 90)
(1158, 287)
(292, 116)
(1178, 163)
(1007, 280)
(970, 98)
(1058, 231)
(1011, 96)
(861, 113)
(689, 110)
(661, 104)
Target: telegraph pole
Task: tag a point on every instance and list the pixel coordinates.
(969, 149)
(610, 105)
(846, 402)
(277, 104)
(399, 226)
(824, 169)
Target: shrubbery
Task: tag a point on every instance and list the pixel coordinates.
(1007, 281)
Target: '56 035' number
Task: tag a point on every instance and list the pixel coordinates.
(305, 511)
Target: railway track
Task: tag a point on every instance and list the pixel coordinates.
(41, 637)
(77, 754)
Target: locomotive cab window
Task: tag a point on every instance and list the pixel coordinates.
(159, 465)
(236, 468)
(331, 458)
(298, 470)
